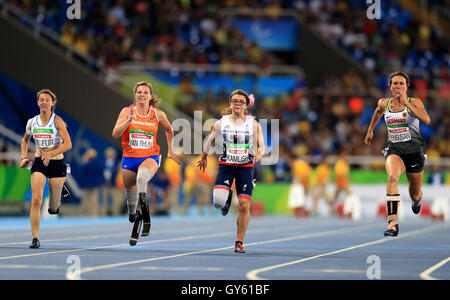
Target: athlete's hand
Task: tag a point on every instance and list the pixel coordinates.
(202, 164)
(368, 138)
(172, 155)
(24, 162)
(257, 157)
(46, 157)
(132, 113)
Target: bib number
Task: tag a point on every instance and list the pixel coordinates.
(141, 141)
(237, 154)
(399, 136)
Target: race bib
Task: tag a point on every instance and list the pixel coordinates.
(397, 135)
(139, 139)
(43, 137)
(238, 153)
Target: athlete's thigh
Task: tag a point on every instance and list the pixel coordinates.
(38, 181)
(244, 181)
(224, 177)
(395, 165)
(56, 181)
(150, 164)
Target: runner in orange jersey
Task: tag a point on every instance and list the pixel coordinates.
(138, 126)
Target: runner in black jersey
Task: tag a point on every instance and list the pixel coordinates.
(240, 134)
(404, 150)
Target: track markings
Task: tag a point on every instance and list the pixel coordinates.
(426, 274)
(77, 275)
(253, 275)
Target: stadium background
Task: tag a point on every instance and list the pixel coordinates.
(317, 66)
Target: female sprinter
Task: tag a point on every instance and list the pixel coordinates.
(238, 131)
(404, 151)
(138, 127)
(52, 140)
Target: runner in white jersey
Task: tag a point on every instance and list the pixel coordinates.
(242, 146)
(404, 151)
(52, 140)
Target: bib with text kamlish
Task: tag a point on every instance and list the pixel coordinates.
(140, 139)
(237, 153)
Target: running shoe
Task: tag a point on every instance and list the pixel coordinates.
(35, 243)
(239, 248)
(416, 206)
(51, 212)
(392, 230)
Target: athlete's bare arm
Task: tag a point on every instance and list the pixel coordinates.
(417, 108)
(259, 142)
(377, 115)
(164, 122)
(203, 162)
(125, 118)
(24, 150)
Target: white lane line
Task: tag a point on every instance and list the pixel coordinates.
(253, 275)
(177, 230)
(184, 238)
(77, 275)
(290, 226)
(29, 267)
(181, 269)
(114, 246)
(83, 228)
(426, 274)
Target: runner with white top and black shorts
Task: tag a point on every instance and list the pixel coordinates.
(404, 150)
(52, 140)
(240, 134)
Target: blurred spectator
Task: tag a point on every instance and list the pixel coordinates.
(90, 181)
(205, 184)
(320, 182)
(436, 175)
(342, 176)
(158, 192)
(112, 201)
(190, 185)
(174, 173)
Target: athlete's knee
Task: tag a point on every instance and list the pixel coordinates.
(244, 204)
(393, 178)
(36, 201)
(220, 197)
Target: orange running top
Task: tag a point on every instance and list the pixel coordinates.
(139, 140)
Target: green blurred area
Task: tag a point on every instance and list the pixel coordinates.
(14, 184)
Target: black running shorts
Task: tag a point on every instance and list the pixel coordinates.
(55, 168)
(414, 162)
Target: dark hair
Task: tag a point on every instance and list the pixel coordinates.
(398, 73)
(50, 93)
(228, 110)
(155, 100)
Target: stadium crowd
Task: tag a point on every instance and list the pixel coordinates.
(330, 117)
